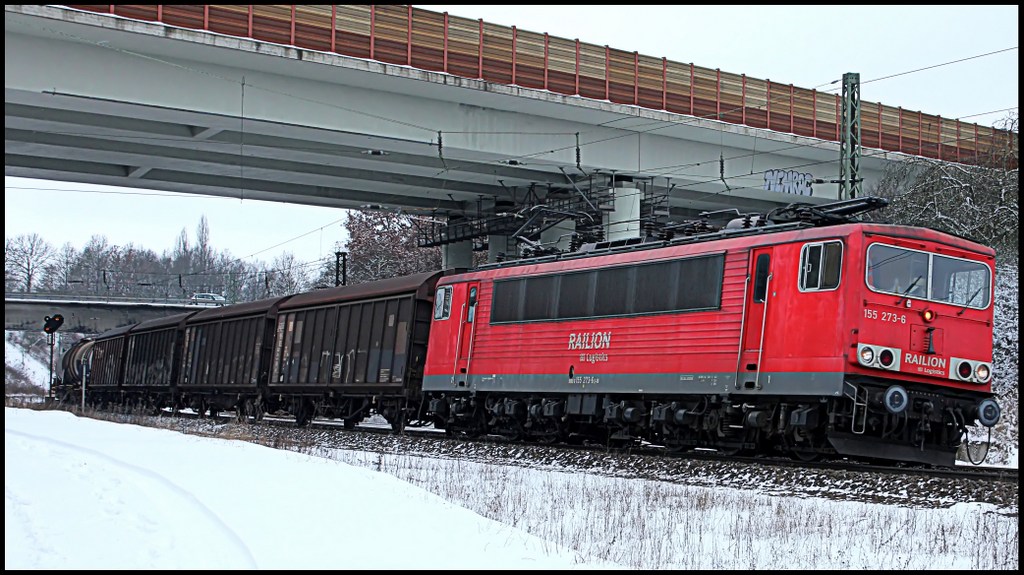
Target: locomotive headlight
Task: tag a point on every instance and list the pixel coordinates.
(885, 357)
(927, 315)
(867, 355)
(982, 372)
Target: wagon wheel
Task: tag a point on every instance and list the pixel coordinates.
(259, 409)
(242, 410)
(398, 423)
(303, 412)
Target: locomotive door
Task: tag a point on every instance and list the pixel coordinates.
(758, 300)
(467, 328)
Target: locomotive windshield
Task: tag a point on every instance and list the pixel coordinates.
(922, 275)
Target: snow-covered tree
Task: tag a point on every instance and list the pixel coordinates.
(383, 245)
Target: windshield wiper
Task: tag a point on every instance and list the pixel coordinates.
(969, 300)
(907, 291)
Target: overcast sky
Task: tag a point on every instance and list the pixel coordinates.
(954, 61)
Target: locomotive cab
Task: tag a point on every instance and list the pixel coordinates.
(920, 350)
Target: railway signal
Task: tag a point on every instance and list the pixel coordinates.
(53, 323)
(50, 325)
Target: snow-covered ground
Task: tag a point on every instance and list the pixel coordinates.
(17, 357)
(87, 494)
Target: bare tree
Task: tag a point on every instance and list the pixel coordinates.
(286, 276)
(25, 258)
(383, 245)
(10, 282)
(94, 263)
(203, 250)
(58, 274)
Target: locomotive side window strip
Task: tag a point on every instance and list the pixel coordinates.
(507, 302)
(821, 266)
(923, 275)
(691, 284)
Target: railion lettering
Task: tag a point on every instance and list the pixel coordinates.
(590, 340)
(925, 360)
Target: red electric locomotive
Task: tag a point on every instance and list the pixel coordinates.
(776, 334)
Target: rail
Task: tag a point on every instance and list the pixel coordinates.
(438, 42)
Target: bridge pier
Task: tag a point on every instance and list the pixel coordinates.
(457, 255)
(559, 235)
(623, 222)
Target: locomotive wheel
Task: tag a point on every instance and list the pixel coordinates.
(804, 446)
(677, 448)
(805, 456)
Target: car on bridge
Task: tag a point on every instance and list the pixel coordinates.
(207, 299)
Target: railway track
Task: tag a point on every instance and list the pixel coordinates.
(980, 473)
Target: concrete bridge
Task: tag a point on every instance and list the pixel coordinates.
(89, 315)
(482, 132)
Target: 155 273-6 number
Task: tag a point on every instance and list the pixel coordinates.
(886, 316)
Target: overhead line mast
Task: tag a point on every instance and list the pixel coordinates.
(849, 142)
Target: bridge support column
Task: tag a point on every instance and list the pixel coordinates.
(623, 222)
(559, 235)
(457, 255)
(497, 245)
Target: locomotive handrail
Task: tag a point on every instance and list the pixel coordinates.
(743, 319)
(760, 343)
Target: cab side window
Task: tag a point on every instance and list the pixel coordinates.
(472, 304)
(443, 302)
(821, 266)
(761, 272)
